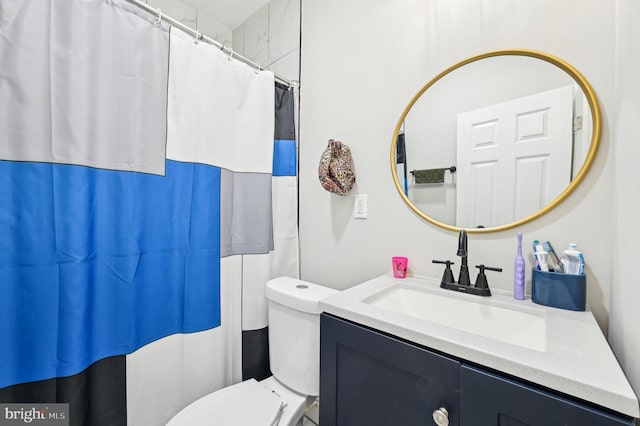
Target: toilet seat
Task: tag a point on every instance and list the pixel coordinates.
(228, 407)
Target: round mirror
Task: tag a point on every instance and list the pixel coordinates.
(495, 141)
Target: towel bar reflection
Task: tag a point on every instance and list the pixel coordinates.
(451, 169)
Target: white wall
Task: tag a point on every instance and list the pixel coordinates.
(362, 63)
(624, 324)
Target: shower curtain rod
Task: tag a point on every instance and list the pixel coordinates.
(200, 36)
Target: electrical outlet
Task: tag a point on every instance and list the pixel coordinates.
(360, 206)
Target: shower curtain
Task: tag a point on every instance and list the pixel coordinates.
(145, 203)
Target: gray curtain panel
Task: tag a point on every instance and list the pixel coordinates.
(83, 82)
(246, 221)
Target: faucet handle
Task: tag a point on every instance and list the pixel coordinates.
(447, 277)
(481, 280)
(488, 268)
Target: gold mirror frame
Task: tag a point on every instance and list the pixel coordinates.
(593, 148)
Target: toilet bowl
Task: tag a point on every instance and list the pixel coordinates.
(294, 353)
(267, 402)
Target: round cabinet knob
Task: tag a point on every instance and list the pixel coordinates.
(441, 417)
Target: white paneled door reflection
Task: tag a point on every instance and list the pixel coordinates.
(513, 157)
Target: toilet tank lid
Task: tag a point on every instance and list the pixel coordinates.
(297, 294)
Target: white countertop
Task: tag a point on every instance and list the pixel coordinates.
(577, 359)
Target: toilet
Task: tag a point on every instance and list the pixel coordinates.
(294, 352)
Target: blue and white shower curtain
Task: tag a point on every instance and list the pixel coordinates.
(144, 203)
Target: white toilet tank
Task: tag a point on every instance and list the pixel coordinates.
(294, 332)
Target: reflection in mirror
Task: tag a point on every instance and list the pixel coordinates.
(494, 142)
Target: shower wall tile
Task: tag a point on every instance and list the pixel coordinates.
(288, 65)
(194, 18)
(284, 28)
(270, 37)
(176, 9)
(213, 29)
(237, 40)
(254, 33)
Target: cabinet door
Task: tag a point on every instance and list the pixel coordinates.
(490, 400)
(369, 378)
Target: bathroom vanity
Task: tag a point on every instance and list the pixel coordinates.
(405, 352)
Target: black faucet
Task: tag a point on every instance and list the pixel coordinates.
(481, 287)
(463, 278)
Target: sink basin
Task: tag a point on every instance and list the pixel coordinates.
(478, 317)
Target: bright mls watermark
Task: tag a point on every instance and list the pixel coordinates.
(34, 414)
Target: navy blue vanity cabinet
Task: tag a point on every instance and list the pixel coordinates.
(492, 400)
(369, 378)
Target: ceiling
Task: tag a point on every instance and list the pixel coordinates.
(230, 13)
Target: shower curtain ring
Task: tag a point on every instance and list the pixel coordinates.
(159, 20)
(230, 54)
(258, 69)
(198, 37)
